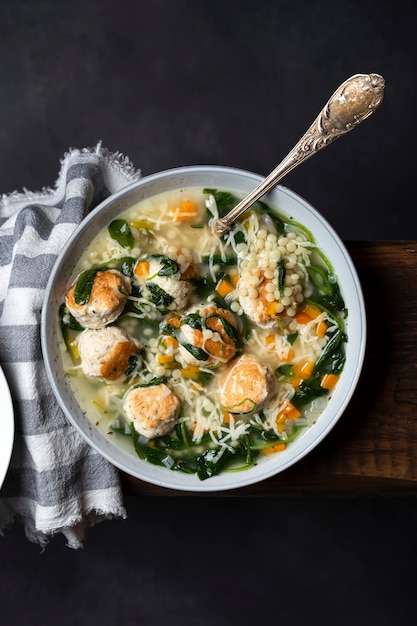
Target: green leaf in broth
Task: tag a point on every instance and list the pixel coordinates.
(119, 230)
(292, 337)
(225, 201)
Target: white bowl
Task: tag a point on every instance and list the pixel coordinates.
(289, 204)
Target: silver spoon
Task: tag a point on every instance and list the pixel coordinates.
(355, 100)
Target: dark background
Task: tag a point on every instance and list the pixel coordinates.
(171, 83)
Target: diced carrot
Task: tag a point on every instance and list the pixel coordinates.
(296, 383)
(278, 447)
(289, 356)
(304, 370)
(234, 279)
(224, 287)
(270, 341)
(293, 414)
(186, 212)
(302, 318)
(170, 342)
(190, 371)
(272, 309)
(226, 417)
(311, 311)
(329, 381)
(165, 358)
(142, 268)
(188, 205)
(174, 321)
(288, 411)
(321, 329)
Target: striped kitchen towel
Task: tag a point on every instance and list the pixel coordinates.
(55, 482)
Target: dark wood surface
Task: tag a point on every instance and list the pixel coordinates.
(372, 450)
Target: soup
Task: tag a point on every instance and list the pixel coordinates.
(199, 353)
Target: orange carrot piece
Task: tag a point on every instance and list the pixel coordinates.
(142, 268)
(270, 340)
(302, 318)
(170, 342)
(165, 358)
(289, 356)
(224, 287)
(321, 329)
(304, 370)
(174, 321)
(329, 381)
(186, 212)
(226, 417)
(278, 447)
(235, 279)
(272, 309)
(311, 311)
(190, 371)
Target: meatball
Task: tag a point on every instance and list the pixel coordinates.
(152, 409)
(247, 384)
(105, 352)
(209, 336)
(174, 276)
(107, 299)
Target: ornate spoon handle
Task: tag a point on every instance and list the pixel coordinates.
(355, 100)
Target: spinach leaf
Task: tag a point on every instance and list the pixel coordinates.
(159, 296)
(292, 337)
(203, 378)
(169, 267)
(154, 455)
(327, 291)
(229, 328)
(126, 266)
(205, 287)
(281, 276)
(211, 462)
(240, 237)
(84, 286)
(225, 201)
(194, 320)
(132, 366)
(119, 230)
(333, 358)
(308, 390)
(219, 260)
(286, 370)
(196, 352)
(67, 319)
(278, 222)
(152, 383)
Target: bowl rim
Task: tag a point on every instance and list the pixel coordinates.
(175, 480)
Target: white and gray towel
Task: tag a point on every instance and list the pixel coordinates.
(55, 482)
